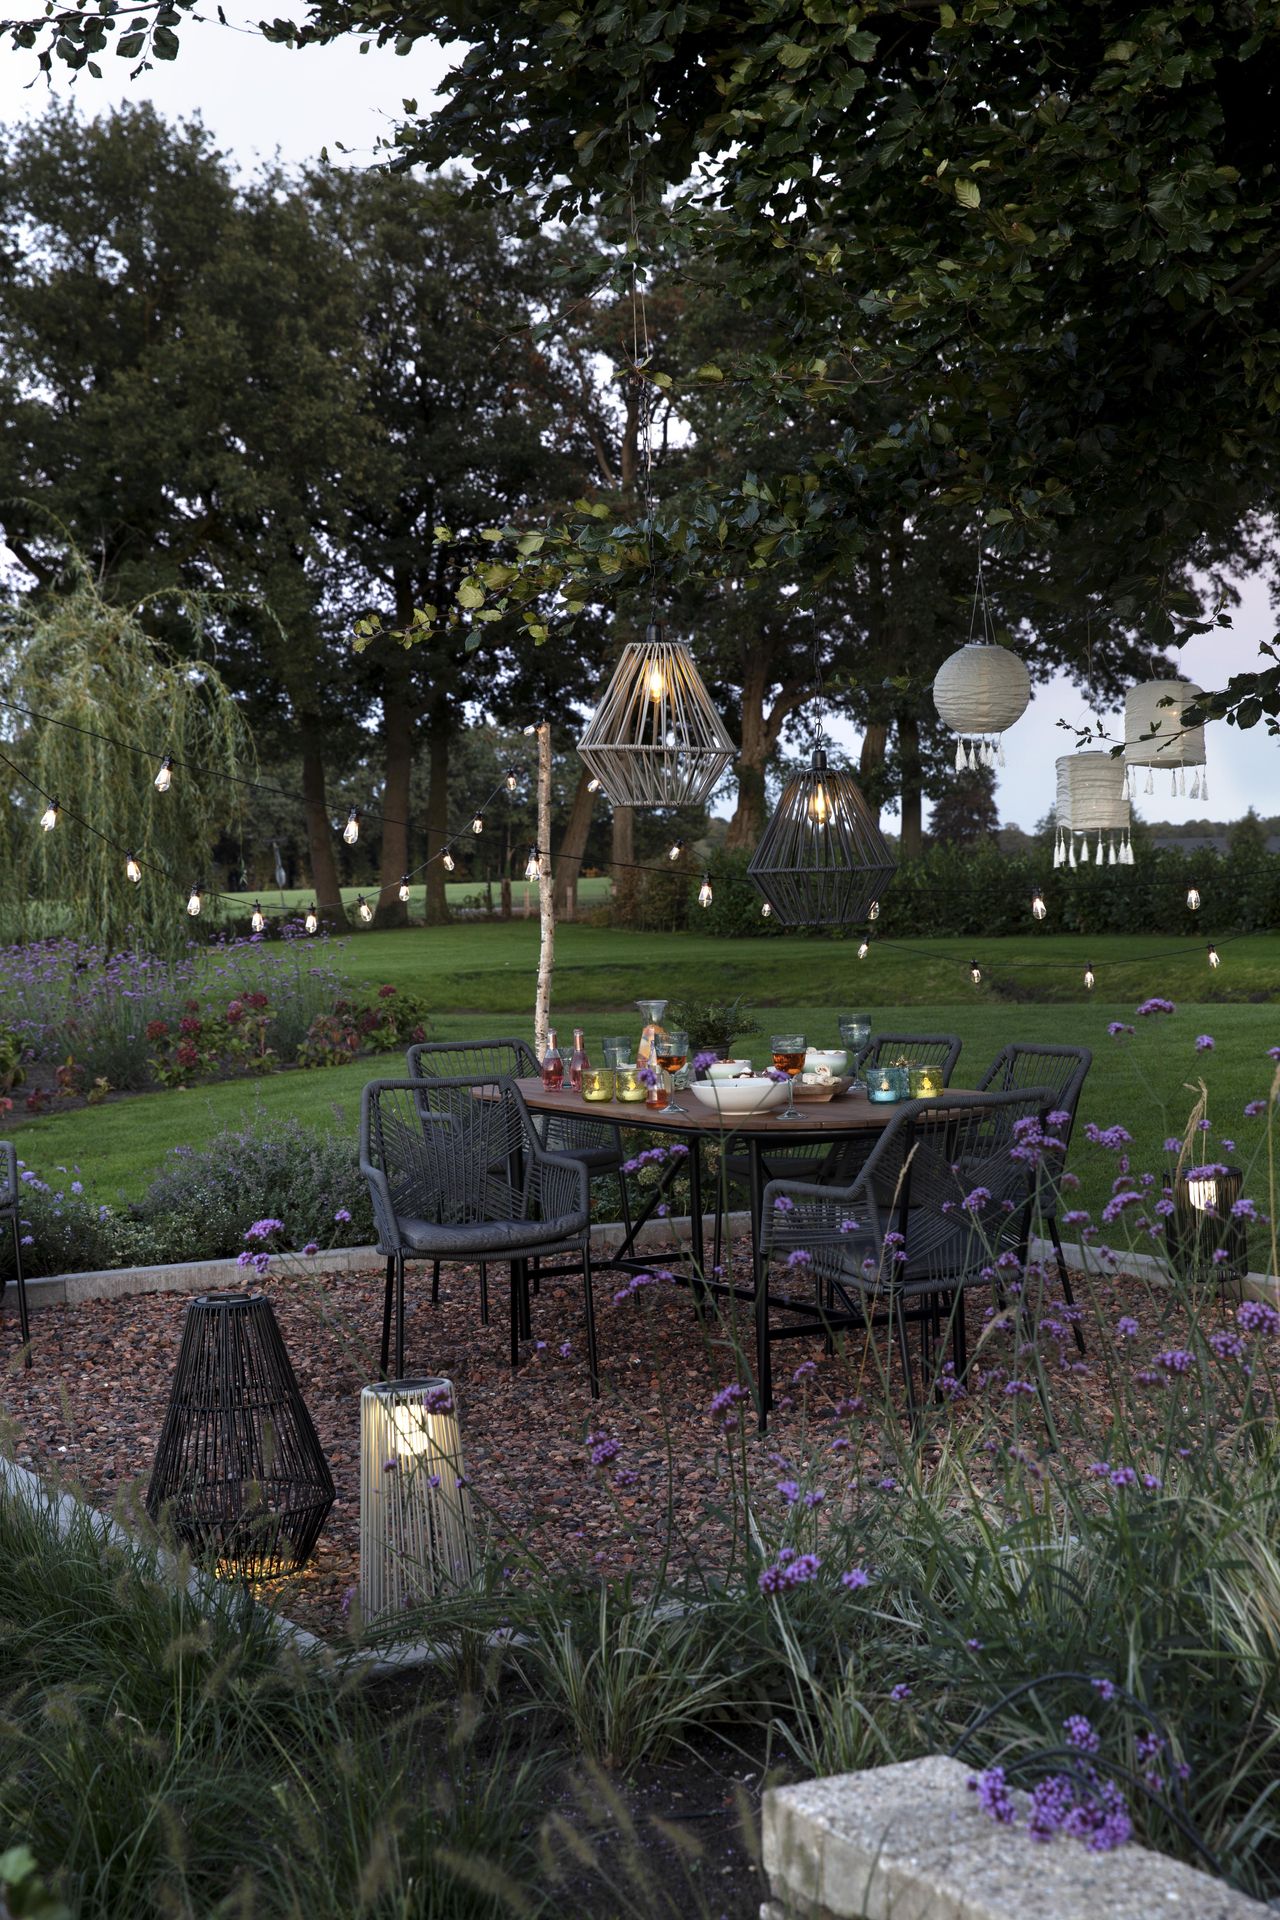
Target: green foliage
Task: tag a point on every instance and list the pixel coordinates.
(712, 1024)
(23, 1894)
(12, 1071)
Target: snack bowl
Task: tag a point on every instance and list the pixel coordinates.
(822, 1089)
(739, 1096)
(835, 1059)
(728, 1069)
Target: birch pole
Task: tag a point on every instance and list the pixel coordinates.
(546, 897)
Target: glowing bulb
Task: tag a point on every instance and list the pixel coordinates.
(704, 891)
(132, 871)
(975, 973)
(1089, 979)
(194, 902)
(529, 730)
(1193, 898)
(819, 808)
(351, 832)
(864, 948)
(512, 778)
(593, 785)
(531, 866)
(675, 849)
(873, 911)
(258, 919)
(364, 909)
(449, 862)
(312, 921)
(164, 779)
(403, 889)
(656, 683)
(1038, 908)
(49, 818)
(1214, 958)
(765, 911)
(477, 825)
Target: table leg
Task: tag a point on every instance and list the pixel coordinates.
(764, 1376)
(697, 1245)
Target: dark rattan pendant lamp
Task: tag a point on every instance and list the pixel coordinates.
(822, 861)
(655, 740)
(240, 1473)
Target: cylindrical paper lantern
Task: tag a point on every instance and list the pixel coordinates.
(1092, 800)
(979, 693)
(1154, 735)
(415, 1519)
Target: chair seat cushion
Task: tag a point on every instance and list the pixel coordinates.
(478, 1239)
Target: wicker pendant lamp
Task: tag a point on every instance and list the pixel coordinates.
(982, 689)
(822, 860)
(655, 740)
(1154, 736)
(1092, 803)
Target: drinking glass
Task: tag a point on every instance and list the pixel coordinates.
(855, 1031)
(788, 1058)
(671, 1051)
(617, 1052)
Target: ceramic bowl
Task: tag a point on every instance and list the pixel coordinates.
(836, 1059)
(739, 1096)
(727, 1069)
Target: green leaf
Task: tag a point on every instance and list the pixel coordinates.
(470, 595)
(443, 535)
(709, 371)
(164, 43)
(792, 55)
(130, 44)
(968, 193)
(1121, 50)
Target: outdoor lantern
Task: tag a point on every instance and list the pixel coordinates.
(1193, 899)
(1154, 736)
(864, 946)
(1207, 1241)
(240, 1474)
(975, 973)
(312, 920)
(593, 785)
(1092, 802)
(1038, 908)
(477, 824)
(257, 919)
(513, 778)
(675, 849)
(415, 1514)
(49, 818)
(449, 862)
(979, 693)
(195, 901)
(1215, 958)
(1090, 979)
(822, 860)
(705, 895)
(655, 740)
(132, 871)
(402, 891)
(531, 866)
(351, 832)
(364, 910)
(164, 778)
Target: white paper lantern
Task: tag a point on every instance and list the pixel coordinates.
(1154, 736)
(979, 693)
(1092, 802)
(415, 1519)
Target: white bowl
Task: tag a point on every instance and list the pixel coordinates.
(834, 1058)
(739, 1096)
(727, 1069)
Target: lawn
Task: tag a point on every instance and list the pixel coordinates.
(478, 980)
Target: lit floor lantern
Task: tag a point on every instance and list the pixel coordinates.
(1202, 1225)
(415, 1514)
(1155, 737)
(1093, 812)
(240, 1474)
(655, 740)
(822, 860)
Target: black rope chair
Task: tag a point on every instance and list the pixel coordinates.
(456, 1171)
(10, 1210)
(898, 1242)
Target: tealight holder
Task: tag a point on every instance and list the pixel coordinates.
(628, 1085)
(598, 1083)
(925, 1083)
(886, 1085)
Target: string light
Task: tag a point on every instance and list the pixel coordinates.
(704, 891)
(402, 891)
(364, 909)
(164, 778)
(1214, 957)
(1193, 898)
(864, 948)
(675, 849)
(1038, 908)
(765, 911)
(1089, 978)
(528, 730)
(448, 861)
(477, 825)
(513, 778)
(975, 973)
(312, 921)
(132, 871)
(49, 818)
(593, 785)
(532, 868)
(351, 832)
(873, 911)
(195, 901)
(258, 919)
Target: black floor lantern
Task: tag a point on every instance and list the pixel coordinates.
(240, 1475)
(822, 860)
(1207, 1242)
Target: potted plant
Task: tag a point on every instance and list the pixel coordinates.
(712, 1025)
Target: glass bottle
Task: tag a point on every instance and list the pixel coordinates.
(654, 1031)
(577, 1060)
(552, 1064)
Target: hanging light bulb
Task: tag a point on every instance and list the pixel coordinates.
(975, 973)
(1214, 957)
(194, 902)
(532, 729)
(132, 871)
(477, 825)
(1038, 908)
(49, 818)
(513, 778)
(364, 909)
(1089, 978)
(593, 785)
(258, 919)
(864, 948)
(704, 891)
(312, 921)
(656, 682)
(1193, 899)
(351, 832)
(531, 865)
(402, 890)
(164, 778)
(819, 805)
(675, 849)
(873, 911)
(449, 862)
(765, 911)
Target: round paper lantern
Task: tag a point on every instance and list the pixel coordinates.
(1092, 800)
(1154, 735)
(979, 693)
(655, 740)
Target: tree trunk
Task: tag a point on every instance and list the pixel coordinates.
(909, 773)
(625, 877)
(875, 743)
(573, 844)
(320, 836)
(747, 823)
(438, 730)
(397, 746)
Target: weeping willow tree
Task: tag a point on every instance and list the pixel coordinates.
(92, 703)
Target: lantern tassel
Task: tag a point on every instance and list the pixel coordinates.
(1204, 784)
(1002, 750)
(1150, 786)
(1195, 785)
(959, 756)
(1098, 858)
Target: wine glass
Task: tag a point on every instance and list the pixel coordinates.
(788, 1057)
(671, 1050)
(855, 1032)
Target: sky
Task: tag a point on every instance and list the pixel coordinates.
(259, 100)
